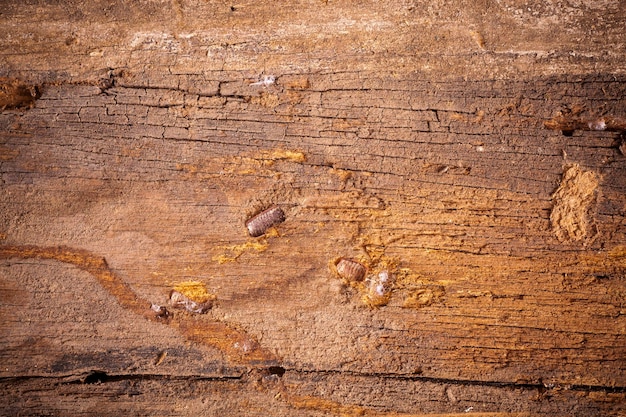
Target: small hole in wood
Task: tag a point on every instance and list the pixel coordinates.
(567, 132)
(276, 370)
(96, 377)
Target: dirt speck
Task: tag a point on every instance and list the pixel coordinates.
(478, 38)
(574, 202)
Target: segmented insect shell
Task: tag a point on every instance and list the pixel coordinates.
(266, 81)
(259, 224)
(378, 289)
(179, 300)
(160, 311)
(379, 286)
(350, 270)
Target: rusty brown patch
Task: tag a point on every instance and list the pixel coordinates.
(299, 83)
(15, 94)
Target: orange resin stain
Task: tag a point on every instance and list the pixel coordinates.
(236, 345)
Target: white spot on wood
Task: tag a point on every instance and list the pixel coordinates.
(599, 124)
(266, 81)
(155, 41)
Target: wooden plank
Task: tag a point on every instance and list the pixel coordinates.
(133, 167)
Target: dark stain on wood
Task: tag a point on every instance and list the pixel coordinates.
(15, 94)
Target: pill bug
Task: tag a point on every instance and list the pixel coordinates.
(179, 300)
(350, 269)
(258, 225)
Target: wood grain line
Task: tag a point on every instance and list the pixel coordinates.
(346, 410)
(236, 345)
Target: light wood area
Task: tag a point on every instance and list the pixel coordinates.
(469, 155)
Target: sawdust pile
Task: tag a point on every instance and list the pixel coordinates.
(574, 202)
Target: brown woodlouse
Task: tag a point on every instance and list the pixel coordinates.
(350, 269)
(259, 224)
(179, 300)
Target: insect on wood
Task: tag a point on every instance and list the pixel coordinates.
(161, 312)
(266, 81)
(259, 224)
(379, 289)
(350, 270)
(180, 300)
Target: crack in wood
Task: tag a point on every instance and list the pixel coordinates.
(464, 382)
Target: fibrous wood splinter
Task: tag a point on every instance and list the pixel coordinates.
(350, 270)
(259, 224)
(569, 124)
(159, 360)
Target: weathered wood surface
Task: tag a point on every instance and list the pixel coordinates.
(414, 137)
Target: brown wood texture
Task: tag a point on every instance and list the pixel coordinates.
(473, 150)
